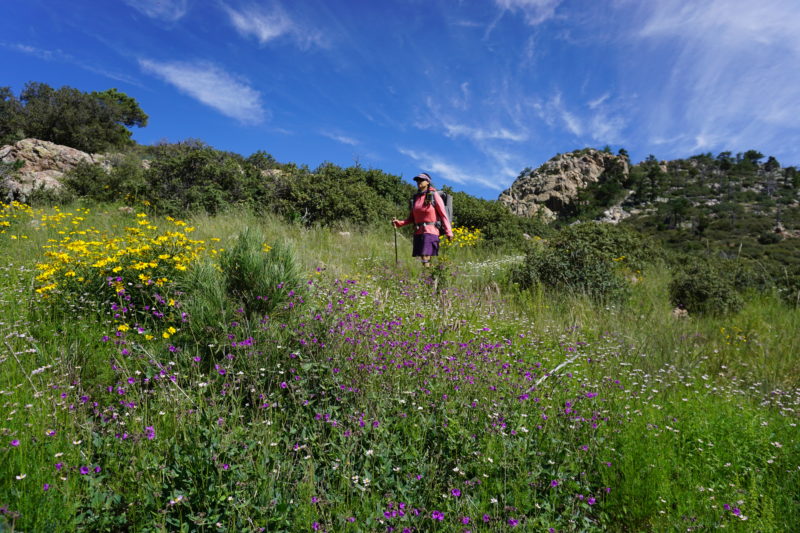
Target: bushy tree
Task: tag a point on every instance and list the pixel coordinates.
(92, 122)
(10, 117)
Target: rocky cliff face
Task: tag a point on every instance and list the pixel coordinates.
(43, 165)
(555, 185)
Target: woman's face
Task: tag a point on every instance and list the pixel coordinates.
(422, 185)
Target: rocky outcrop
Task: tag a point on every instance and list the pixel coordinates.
(555, 185)
(41, 165)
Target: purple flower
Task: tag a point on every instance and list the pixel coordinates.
(486, 518)
(59, 466)
(437, 515)
(15, 442)
(513, 522)
(315, 526)
(225, 466)
(456, 493)
(46, 487)
(84, 470)
(283, 385)
(465, 520)
(554, 483)
(591, 501)
(150, 432)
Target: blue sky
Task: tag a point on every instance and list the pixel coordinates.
(471, 91)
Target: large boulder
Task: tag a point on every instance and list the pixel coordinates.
(43, 164)
(555, 185)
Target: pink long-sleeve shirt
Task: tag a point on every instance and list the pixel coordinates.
(428, 213)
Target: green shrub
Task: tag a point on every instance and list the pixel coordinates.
(261, 279)
(576, 269)
(702, 288)
(610, 242)
(199, 177)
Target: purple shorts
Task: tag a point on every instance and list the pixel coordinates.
(425, 244)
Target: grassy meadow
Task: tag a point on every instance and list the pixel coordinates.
(238, 373)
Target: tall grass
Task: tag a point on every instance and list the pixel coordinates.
(383, 396)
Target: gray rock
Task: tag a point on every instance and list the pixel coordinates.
(555, 185)
(43, 165)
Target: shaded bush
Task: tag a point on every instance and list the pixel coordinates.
(702, 288)
(497, 223)
(575, 269)
(610, 242)
(201, 178)
(334, 194)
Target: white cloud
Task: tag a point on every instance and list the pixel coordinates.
(534, 11)
(266, 24)
(340, 138)
(213, 87)
(438, 167)
(62, 57)
(597, 102)
(483, 134)
(166, 10)
(732, 81)
(602, 123)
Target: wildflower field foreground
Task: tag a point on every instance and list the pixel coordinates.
(235, 373)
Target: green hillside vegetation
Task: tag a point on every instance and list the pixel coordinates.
(196, 340)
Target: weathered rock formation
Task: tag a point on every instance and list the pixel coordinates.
(555, 185)
(43, 165)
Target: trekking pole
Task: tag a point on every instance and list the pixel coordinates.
(395, 244)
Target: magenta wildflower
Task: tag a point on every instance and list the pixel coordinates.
(437, 515)
(486, 518)
(456, 493)
(591, 501)
(15, 442)
(46, 487)
(225, 466)
(84, 470)
(513, 522)
(465, 520)
(554, 483)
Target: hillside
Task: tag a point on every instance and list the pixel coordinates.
(732, 206)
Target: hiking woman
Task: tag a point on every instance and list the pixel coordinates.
(427, 208)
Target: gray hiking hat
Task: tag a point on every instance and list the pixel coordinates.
(422, 177)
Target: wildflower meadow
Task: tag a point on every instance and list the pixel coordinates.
(239, 373)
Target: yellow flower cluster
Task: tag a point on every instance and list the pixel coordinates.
(462, 237)
(142, 255)
(9, 214)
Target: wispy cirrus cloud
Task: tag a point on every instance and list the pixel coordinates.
(212, 86)
(165, 10)
(449, 122)
(597, 120)
(439, 167)
(534, 11)
(339, 137)
(267, 23)
(63, 57)
(732, 82)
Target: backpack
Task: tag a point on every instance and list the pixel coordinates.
(447, 200)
